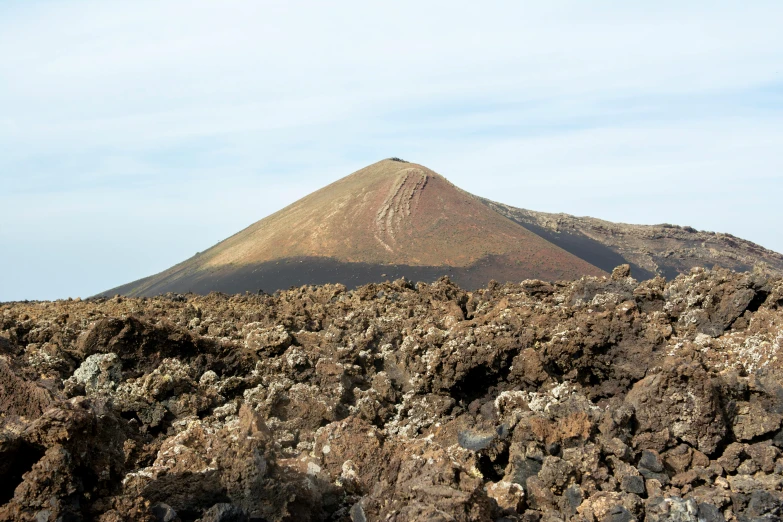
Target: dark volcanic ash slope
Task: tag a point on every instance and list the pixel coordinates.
(666, 250)
(389, 220)
(593, 400)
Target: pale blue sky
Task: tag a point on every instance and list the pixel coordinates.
(134, 134)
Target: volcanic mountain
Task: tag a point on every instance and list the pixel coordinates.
(389, 220)
(397, 219)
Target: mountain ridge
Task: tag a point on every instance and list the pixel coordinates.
(652, 250)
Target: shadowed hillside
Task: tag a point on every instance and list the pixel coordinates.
(666, 250)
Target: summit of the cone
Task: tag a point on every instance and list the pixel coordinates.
(390, 213)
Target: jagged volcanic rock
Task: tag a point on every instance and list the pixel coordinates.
(598, 399)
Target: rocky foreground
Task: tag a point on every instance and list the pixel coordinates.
(600, 399)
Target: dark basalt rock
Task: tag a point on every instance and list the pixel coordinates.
(599, 399)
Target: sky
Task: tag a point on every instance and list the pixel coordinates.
(135, 134)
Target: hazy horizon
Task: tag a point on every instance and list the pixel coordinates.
(134, 135)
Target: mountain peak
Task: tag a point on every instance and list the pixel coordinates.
(392, 217)
(397, 219)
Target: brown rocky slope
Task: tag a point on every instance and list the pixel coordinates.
(592, 400)
(391, 219)
(665, 250)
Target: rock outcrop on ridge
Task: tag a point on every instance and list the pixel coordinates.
(601, 399)
(666, 250)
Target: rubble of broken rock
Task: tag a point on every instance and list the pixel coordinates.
(599, 399)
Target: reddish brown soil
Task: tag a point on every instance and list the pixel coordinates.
(390, 213)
